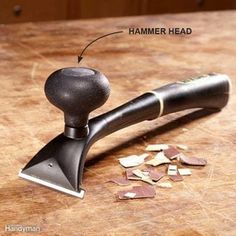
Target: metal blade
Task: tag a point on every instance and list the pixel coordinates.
(79, 194)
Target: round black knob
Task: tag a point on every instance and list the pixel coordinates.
(77, 91)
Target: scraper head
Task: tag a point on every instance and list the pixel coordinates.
(57, 165)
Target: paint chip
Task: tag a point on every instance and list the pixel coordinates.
(165, 154)
(184, 171)
(138, 173)
(172, 170)
(155, 175)
(139, 191)
(130, 175)
(130, 195)
(176, 178)
(133, 160)
(159, 159)
(144, 176)
(194, 161)
(171, 153)
(120, 181)
(156, 147)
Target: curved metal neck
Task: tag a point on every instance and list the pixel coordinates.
(76, 133)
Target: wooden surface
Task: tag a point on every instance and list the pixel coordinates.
(203, 204)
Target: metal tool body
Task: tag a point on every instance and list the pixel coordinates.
(60, 163)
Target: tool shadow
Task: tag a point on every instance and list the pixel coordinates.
(176, 123)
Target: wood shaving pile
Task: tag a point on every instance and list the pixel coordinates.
(165, 155)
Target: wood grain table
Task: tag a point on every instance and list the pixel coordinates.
(203, 204)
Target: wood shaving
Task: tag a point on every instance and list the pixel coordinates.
(194, 161)
(156, 147)
(159, 159)
(184, 171)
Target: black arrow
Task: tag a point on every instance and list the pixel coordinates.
(103, 36)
